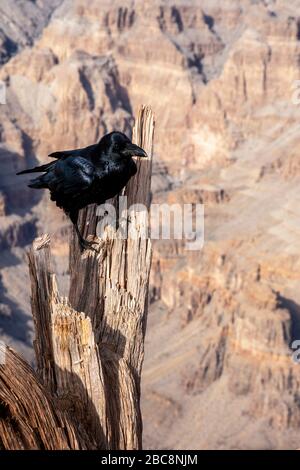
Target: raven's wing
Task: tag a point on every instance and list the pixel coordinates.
(70, 178)
(64, 153)
(85, 152)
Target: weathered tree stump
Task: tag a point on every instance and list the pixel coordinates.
(89, 347)
(29, 418)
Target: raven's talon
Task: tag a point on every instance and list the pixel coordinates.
(87, 245)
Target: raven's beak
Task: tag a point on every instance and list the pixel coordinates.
(135, 150)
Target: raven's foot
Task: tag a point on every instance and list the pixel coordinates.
(87, 245)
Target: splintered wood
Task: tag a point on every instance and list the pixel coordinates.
(89, 348)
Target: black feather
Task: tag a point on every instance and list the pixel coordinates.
(36, 169)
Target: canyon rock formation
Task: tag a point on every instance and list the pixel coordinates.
(222, 80)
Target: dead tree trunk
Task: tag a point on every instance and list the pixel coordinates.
(89, 348)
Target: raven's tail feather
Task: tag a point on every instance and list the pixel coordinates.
(37, 169)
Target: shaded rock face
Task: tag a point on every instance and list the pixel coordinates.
(21, 22)
(220, 77)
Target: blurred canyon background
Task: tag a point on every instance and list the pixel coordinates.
(220, 77)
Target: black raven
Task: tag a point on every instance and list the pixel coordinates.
(89, 175)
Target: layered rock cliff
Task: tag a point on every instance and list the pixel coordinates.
(221, 78)
(21, 22)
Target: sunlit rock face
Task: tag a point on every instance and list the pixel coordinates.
(222, 80)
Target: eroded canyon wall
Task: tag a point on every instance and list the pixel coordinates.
(221, 79)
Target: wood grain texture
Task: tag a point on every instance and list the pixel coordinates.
(90, 346)
(29, 418)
